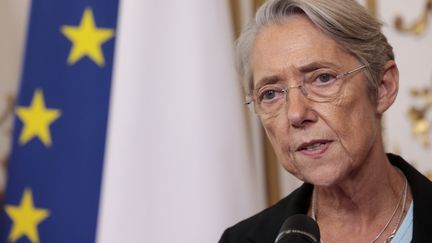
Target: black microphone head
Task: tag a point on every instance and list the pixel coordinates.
(299, 228)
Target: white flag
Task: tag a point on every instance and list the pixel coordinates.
(177, 166)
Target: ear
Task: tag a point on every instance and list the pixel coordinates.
(388, 86)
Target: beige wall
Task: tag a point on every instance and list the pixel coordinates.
(13, 21)
(413, 55)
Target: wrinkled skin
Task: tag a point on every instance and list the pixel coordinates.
(337, 146)
(349, 125)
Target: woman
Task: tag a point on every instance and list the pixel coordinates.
(320, 74)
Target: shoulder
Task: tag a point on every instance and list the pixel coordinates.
(264, 226)
(420, 185)
(421, 189)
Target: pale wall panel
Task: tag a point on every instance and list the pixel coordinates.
(413, 55)
(13, 23)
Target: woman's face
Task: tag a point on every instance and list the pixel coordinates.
(321, 143)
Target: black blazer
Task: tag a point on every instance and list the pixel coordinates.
(264, 226)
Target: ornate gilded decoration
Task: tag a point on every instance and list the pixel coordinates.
(418, 27)
(420, 125)
(8, 109)
(6, 114)
(371, 5)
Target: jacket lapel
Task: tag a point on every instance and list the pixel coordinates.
(421, 189)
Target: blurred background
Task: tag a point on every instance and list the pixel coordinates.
(407, 125)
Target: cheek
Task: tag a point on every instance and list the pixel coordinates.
(274, 131)
(355, 123)
(277, 133)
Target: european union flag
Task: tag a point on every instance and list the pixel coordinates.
(54, 175)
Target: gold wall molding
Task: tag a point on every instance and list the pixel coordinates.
(418, 27)
(371, 5)
(7, 112)
(6, 115)
(236, 17)
(420, 124)
(271, 164)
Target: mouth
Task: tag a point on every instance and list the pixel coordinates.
(314, 147)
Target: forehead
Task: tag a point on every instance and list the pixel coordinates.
(282, 48)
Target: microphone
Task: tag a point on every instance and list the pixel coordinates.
(299, 228)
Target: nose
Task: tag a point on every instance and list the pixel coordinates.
(298, 109)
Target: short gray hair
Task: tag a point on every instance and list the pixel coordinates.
(345, 21)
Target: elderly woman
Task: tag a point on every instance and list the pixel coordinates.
(320, 75)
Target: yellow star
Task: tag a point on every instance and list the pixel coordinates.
(36, 119)
(87, 39)
(25, 218)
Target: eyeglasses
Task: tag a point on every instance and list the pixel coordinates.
(322, 85)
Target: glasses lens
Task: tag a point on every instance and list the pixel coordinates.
(269, 99)
(325, 85)
(322, 85)
(323, 92)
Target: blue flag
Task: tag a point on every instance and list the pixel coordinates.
(55, 170)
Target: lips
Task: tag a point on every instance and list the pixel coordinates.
(314, 147)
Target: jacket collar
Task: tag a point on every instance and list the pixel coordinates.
(421, 189)
(271, 219)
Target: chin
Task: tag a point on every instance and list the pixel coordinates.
(320, 178)
(322, 171)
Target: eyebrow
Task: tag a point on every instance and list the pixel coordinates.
(310, 67)
(316, 65)
(269, 80)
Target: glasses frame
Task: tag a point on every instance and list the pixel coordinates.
(250, 97)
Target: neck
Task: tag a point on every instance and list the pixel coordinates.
(363, 203)
(367, 187)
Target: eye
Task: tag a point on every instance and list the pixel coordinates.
(269, 94)
(325, 78)
(321, 78)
